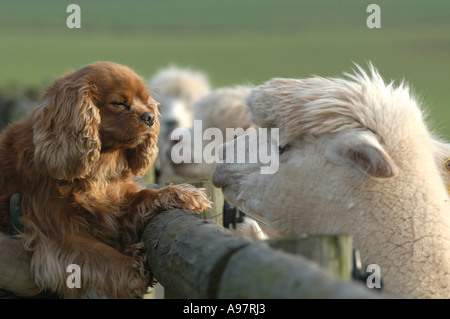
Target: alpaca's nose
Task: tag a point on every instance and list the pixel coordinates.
(148, 118)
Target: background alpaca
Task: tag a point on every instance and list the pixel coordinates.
(176, 89)
(222, 108)
(355, 157)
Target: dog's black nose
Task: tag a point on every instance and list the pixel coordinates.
(148, 118)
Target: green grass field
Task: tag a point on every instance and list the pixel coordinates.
(234, 41)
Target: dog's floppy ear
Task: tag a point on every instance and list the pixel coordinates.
(66, 121)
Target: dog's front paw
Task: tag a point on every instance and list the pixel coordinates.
(194, 199)
(140, 278)
(185, 196)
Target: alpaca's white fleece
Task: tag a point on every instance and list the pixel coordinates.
(400, 222)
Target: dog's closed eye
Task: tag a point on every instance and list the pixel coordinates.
(121, 104)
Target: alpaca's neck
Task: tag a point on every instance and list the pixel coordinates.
(412, 241)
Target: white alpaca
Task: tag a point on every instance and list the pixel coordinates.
(176, 89)
(355, 157)
(221, 109)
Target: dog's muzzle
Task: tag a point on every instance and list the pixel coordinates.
(148, 118)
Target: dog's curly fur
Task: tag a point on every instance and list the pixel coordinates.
(74, 159)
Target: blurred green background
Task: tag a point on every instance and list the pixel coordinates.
(234, 41)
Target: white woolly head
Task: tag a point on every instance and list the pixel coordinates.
(176, 89)
(314, 106)
(182, 83)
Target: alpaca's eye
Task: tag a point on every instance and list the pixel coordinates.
(447, 165)
(284, 148)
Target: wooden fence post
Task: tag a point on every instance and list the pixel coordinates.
(150, 176)
(196, 258)
(215, 213)
(332, 252)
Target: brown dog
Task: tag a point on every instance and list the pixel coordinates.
(73, 159)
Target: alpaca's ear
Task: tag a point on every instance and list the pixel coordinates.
(362, 150)
(66, 138)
